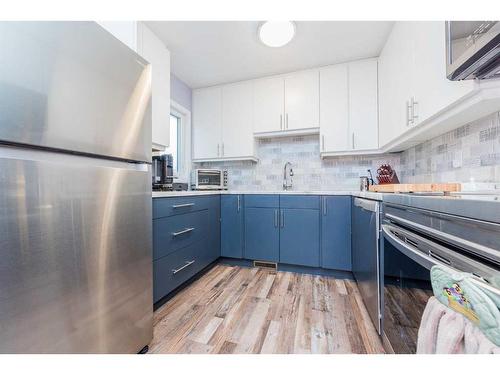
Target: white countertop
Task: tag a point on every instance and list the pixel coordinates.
(361, 194)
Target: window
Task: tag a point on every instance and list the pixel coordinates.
(180, 141)
(175, 148)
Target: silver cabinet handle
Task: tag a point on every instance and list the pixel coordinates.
(282, 218)
(323, 143)
(184, 266)
(324, 206)
(409, 120)
(218, 149)
(183, 205)
(414, 114)
(276, 218)
(238, 210)
(287, 120)
(353, 141)
(281, 122)
(187, 230)
(222, 149)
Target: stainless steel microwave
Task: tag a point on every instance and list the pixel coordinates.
(472, 50)
(209, 179)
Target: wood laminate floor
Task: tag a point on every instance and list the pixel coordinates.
(250, 310)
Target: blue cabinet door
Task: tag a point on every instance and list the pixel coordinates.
(336, 232)
(261, 233)
(232, 226)
(300, 236)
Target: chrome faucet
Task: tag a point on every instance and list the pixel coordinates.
(286, 184)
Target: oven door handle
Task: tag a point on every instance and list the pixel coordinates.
(419, 257)
(428, 261)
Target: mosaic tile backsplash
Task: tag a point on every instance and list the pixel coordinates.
(469, 154)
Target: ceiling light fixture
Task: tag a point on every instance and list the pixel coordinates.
(276, 33)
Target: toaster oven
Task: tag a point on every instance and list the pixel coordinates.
(209, 179)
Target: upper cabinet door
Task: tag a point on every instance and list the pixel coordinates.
(395, 82)
(334, 109)
(207, 123)
(433, 92)
(237, 120)
(363, 104)
(268, 101)
(302, 100)
(153, 50)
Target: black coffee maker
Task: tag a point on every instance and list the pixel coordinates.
(162, 172)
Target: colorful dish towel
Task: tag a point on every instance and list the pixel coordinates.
(463, 317)
(445, 331)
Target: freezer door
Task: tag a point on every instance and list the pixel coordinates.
(73, 86)
(75, 254)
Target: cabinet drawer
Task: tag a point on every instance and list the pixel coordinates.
(172, 270)
(262, 200)
(300, 201)
(175, 232)
(163, 207)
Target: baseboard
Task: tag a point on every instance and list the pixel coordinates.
(338, 274)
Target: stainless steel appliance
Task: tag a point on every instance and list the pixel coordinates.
(75, 191)
(472, 49)
(365, 254)
(162, 173)
(209, 179)
(414, 240)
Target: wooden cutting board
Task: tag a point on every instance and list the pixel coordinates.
(416, 188)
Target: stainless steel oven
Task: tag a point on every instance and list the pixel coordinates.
(414, 240)
(209, 179)
(472, 49)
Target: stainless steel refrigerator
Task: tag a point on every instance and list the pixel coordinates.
(75, 191)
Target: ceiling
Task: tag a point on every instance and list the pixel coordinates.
(205, 53)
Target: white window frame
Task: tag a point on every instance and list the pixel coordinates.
(184, 114)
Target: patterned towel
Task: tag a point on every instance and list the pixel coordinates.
(479, 305)
(445, 331)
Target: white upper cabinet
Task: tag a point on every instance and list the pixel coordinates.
(302, 100)
(395, 82)
(268, 101)
(334, 105)
(287, 104)
(432, 91)
(416, 100)
(348, 108)
(237, 120)
(207, 123)
(363, 104)
(223, 123)
(155, 52)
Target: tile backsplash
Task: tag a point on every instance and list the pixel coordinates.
(469, 154)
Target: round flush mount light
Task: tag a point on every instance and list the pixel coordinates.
(276, 33)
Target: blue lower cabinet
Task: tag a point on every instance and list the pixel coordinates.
(336, 232)
(299, 237)
(186, 239)
(232, 226)
(261, 233)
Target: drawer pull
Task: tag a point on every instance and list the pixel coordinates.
(184, 266)
(183, 205)
(187, 230)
